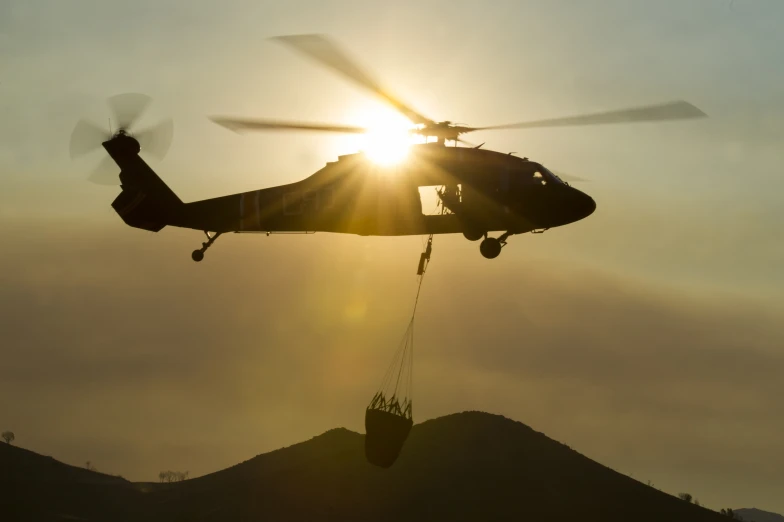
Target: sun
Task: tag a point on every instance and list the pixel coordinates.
(388, 139)
(387, 146)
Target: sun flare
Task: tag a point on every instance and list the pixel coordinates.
(388, 139)
(386, 146)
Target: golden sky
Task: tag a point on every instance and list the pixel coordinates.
(647, 336)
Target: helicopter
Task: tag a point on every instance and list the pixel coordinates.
(479, 191)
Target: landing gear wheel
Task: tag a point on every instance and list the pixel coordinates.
(473, 235)
(198, 255)
(490, 247)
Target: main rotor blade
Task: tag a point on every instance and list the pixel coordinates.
(326, 52)
(87, 137)
(569, 177)
(678, 110)
(127, 108)
(238, 125)
(106, 173)
(156, 140)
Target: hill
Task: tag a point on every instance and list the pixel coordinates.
(757, 515)
(35, 487)
(466, 466)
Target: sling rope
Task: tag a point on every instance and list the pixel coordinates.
(404, 353)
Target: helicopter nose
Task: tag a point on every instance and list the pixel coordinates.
(580, 206)
(586, 205)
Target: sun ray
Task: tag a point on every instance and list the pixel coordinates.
(388, 141)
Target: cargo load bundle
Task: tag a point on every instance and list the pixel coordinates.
(389, 416)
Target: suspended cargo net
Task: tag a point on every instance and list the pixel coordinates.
(390, 416)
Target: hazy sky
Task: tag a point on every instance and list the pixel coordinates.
(647, 336)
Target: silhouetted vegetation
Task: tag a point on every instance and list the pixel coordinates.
(173, 476)
(8, 436)
(685, 496)
(89, 465)
(730, 513)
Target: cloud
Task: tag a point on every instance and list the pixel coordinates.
(108, 336)
(678, 387)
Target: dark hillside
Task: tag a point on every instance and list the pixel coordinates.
(35, 487)
(467, 466)
(758, 515)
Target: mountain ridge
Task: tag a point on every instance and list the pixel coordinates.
(464, 466)
(759, 515)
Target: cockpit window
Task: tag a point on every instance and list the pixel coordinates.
(532, 174)
(549, 176)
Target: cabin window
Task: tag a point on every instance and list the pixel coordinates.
(435, 200)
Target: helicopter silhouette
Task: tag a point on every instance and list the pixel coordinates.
(479, 191)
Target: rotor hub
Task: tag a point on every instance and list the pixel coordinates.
(122, 138)
(122, 143)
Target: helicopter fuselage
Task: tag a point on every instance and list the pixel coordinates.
(480, 191)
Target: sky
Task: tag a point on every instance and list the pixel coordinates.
(648, 337)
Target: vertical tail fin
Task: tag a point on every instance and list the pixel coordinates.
(146, 202)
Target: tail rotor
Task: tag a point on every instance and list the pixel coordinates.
(126, 109)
